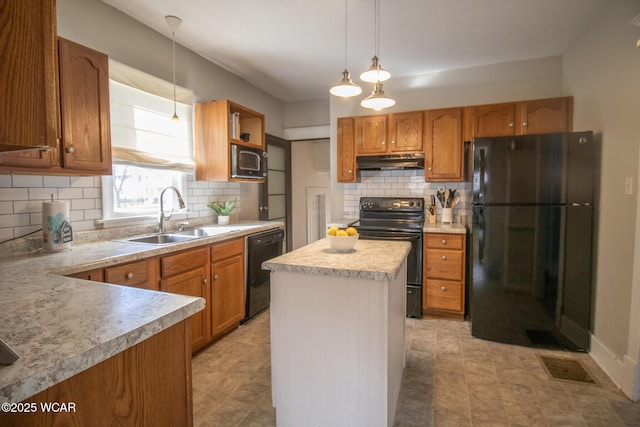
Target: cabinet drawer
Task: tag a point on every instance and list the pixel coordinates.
(444, 264)
(226, 249)
(443, 295)
(445, 241)
(133, 274)
(184, 261)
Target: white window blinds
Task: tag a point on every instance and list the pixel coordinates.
(142, 132)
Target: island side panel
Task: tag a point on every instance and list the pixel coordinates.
(330, 349)
(396, 339)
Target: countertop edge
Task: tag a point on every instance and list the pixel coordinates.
(63, 370)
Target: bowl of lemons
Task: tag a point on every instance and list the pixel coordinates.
(342, 239)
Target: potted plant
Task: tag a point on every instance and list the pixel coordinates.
(223, 209)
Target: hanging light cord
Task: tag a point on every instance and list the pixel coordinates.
(175, 114)
(377, 29)
(345, 34)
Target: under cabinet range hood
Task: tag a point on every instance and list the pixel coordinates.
(391, 161)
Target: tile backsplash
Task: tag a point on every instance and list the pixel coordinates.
(21, 198)
(407, 183)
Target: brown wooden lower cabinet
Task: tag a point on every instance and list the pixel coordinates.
(187, 273)
(443, 291)
(228, 286)
(148, 384)
(215, 273)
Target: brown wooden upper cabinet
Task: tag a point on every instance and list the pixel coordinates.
(444, 146)
(218, 124)
(84, 144)
(371, 134)
(519, 118)
(29, 75)
(346, 150)
(405, 132)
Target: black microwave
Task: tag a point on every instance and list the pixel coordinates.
(248, 162)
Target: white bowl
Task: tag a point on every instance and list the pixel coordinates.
(342, 243)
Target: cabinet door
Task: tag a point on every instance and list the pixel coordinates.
(405, 131)
(371, 134)
(228, 296)
(494, 120)
(84, 95)
(546, 115)
(444, 147)
(346, 150)
(194, 283)
(28, 81)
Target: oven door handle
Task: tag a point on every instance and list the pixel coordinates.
(387, 237)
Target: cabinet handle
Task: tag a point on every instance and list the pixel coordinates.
(429, 168)
(511, 125)
(444, 257)
(383, 142)
(205, 281)
(215, 277)
(444, 288)
(525, 124)
(444, 242)
(70, 150)
(350, 170)
(129, 275)
(393, 142)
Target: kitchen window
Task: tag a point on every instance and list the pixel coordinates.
(150, 150)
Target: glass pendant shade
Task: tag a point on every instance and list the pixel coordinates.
(375, 73)
(377, 100)
(346, 88)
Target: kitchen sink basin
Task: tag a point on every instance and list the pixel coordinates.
(161, 239)
(205, 231)
(184, 235)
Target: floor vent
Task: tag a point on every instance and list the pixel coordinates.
(562, 369)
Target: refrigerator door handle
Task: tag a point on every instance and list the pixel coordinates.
(481, 232)
(481, 160)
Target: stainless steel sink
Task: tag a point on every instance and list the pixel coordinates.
(205, 231)
(160, 239)
(182, 236)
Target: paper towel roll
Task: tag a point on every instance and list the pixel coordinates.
(56, 228)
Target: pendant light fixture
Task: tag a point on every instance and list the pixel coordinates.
(377, 100)
(345, 88)
(174, 22)
(376, 73)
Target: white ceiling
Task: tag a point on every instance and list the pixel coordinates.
(294, 49)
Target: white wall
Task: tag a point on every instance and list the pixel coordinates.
(307, 174)
(602, 71)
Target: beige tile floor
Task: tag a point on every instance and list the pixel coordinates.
(451, 379)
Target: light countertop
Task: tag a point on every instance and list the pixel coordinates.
(369, 259)
(60, 326)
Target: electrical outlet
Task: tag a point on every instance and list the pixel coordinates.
(628, 185)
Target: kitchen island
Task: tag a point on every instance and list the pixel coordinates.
(337, 333)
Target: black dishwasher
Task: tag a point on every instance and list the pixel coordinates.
(260, 247)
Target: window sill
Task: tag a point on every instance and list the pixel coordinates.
(136, 220)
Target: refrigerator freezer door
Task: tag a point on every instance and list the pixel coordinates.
(519, 170)
(580, 168)
(516, 274)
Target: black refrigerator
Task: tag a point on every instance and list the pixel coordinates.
(531, 240)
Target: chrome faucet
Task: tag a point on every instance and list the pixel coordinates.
(163, 217)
